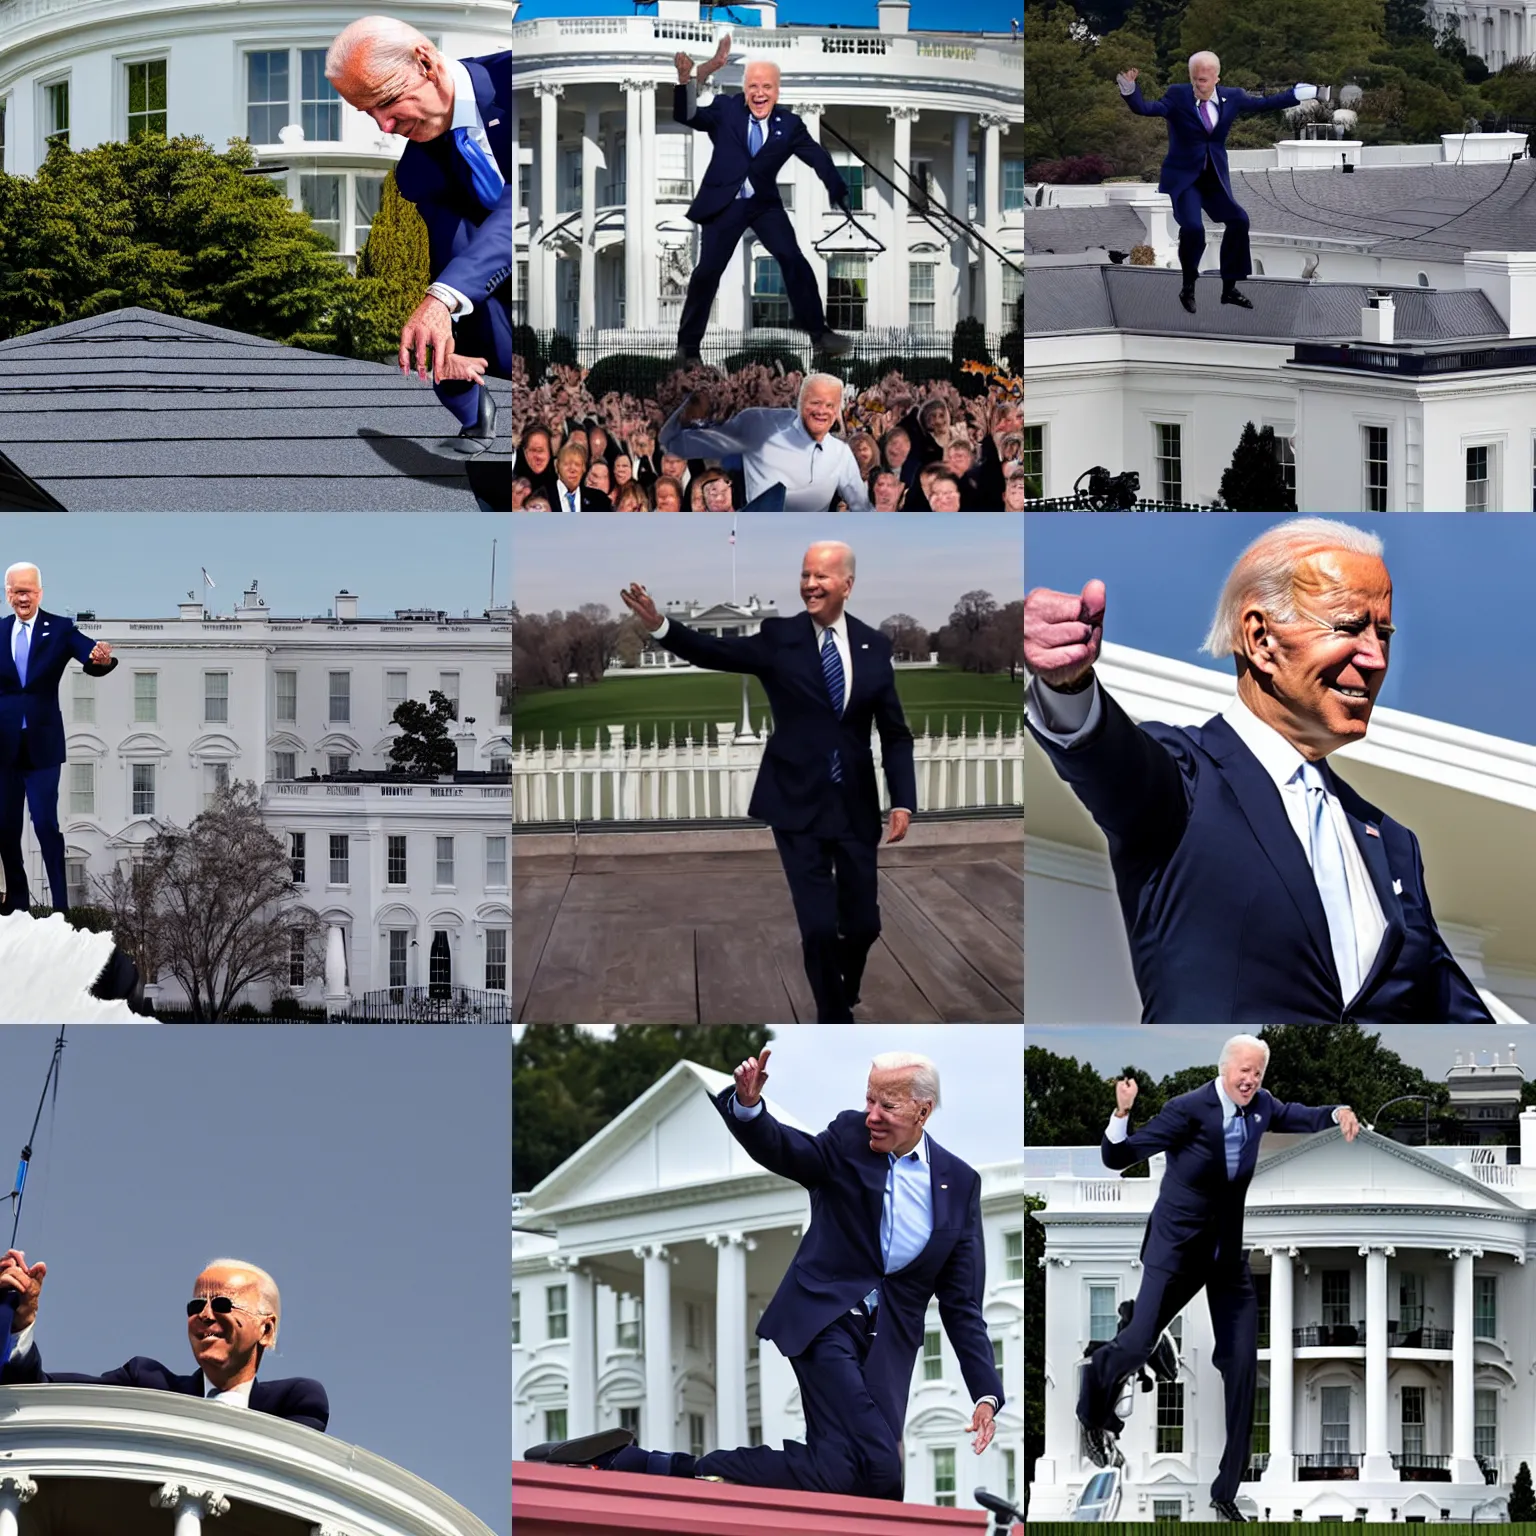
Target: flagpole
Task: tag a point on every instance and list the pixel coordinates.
(746, 718)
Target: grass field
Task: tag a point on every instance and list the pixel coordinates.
(673, 705)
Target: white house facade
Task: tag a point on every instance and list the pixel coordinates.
(601, 241)
(641, 1265)
(86, 72)
(414, 875)
(1395, 1333)
(1496, 31)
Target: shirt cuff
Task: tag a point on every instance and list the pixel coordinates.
(987, 1399)
(742, 1111)
(22, 1342)
(1118, 1129)
(1065, 718)
(666, 624)
(1335, 1116)
(458, 304)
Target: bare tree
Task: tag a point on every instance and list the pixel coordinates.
(909, 640)
(967, 641)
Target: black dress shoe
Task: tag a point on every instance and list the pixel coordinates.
(484, 425)
(685, 357)
(833, 344)
(585, 1450)
(1228, 1511)
(1232, 296)
(1187, 299)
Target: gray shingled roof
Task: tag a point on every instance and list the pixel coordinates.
(137, 411)
(1146, 299)
(1063, 231)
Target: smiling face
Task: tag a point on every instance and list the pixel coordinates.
(897, 446)
(415, 101)
(824, 583)
(944, 495)
(760, 85)
(1243, 1074)
(1315, 679)
(887, 492)
(818, 410)
(893, 1118)
(24, 591)
(1013, 493)
(225, 1343)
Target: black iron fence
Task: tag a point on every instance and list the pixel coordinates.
(441, 1004)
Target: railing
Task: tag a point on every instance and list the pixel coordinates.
(688, 780)
(1420, 1467)
(1327, 1466)
(1077, 504)
(1414, 364)
(1328, 1336)
(1420, 1338)
(440, 1004)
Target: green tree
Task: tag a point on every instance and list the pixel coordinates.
(1276, 44)
(1341, 1064)
(1066, 111)
(567, 1083)
(393, 270)
(1034, 1338)
(1522, 1502)
(423, 748)
(1253, 482)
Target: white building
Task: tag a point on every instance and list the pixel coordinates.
(601, 240)
(404, 869)
(641, 1265)
(1395, 1332)
(90, 71)
(1496, 31)
(1469, 797)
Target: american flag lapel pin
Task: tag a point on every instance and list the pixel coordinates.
(495, 122)
(1372, 832)
(1397, 887)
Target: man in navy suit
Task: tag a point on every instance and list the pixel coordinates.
(828, 678)
(1255, 884)
(752, 137)
(457, 170)
(232, 1320)
(1194, 1241)
(895, 1222)
(35, 648)
(1195, 169)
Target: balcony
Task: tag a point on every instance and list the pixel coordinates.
(442, 1003)
(1418, 1467)
(116, 1459)
(1329, 1336)
(1328, 1466)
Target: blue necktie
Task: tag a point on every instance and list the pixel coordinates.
(1235, 1134)
(832, 671)
(1332, 884)
(483, 171)
(887, 1230)
(754, 143)
(23, 650)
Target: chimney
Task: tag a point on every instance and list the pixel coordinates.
(465, 741)
(346, 605)
(768, 14)
(192, 609)
(1528, 1138)
(893, 14)
(1378, 320)
(1509, 280)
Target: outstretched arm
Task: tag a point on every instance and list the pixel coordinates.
(740, 653)
(715, 442)
(805, 148)
(779, 1148)
(1247, 105)
(1138, 104)
(959, 1289)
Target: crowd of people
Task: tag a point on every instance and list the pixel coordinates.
(928, 461)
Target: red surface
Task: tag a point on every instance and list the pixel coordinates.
(565, 1501)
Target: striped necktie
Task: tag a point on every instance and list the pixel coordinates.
(1332, 882)
(832, 671)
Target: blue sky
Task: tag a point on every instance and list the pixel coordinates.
(124, 567)
(925, 16)
(1461, 597)
(366, 1169)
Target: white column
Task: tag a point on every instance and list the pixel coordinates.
(192, 1506)
(1378, 1461)
(810, 202)
(634, 213)
(960, 251)
(16, 1489)
(1463, 1358)
(336, 995)
(1282, 1373)
(990, 216)
(587, 303)
(650, 301)
(581, 1401)
(901, 119)
(543, 298)
(660, 1419)
(515, 203)
(730, 1336)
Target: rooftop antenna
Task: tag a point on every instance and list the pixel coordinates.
(493, 573)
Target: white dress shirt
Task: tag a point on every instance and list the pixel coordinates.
(466, 114)
(236, 1397)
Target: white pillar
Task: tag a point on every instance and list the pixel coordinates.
(990, 216)
(810, 202)
(587, 302)
(901, 119)
(960, 250)
(634, 213)
(650, 300)
(1282, 1373)
(192, 1506)
(581, 1402)
(515, 180)
(660, 1419)
(336, 997)
(16, 1489)
(1463, 1358)
(1378, 1461)
(543, 298)
(730, 1336)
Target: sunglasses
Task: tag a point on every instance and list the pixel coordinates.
(221, 1306)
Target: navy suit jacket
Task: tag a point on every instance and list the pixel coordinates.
(732, 162)
(55, 642)
(1225, 922)
(1197, 1221)
(838, 1260)
(470, 246)
(1188, 140)
(795, 775)
(297, 1399)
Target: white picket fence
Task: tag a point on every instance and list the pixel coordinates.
(675, 780)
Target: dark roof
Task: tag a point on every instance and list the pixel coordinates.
(1146, 299)
(137, 411)
(1062, 231)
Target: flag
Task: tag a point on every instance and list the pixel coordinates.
(208, 580)
(733, 530)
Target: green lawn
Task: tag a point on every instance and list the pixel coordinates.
(671, 705)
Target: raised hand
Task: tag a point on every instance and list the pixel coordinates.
(684, 67)
(639, 603)
(1125, 1094)
(26, 1280)
(1063, 633)
(750, 1077)
(717, 60)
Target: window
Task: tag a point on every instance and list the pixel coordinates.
(1261, 1293)
(1477, 478)
(1258, 1442)
(673, 181)
(338, 762)
(626, 1319)
(1410, 1302)
(496, 860)
(1101, 1310)
(1034, 461)
(296, 857)
(320, 198)
(2, 136)
(448, 686)
(920, 189)
(770, 300)
(266, 95)
(695, 1434)
(295, 957)
(693, 1324)
(1013, 296)
(82, 789)
(554, 1420)
(215, 782)
(445, 861)
(56, 113)
(495, 959)
(396, 861)
(920, 299)
(341, 698)
(1010, 1475)
(944, 1476)
(997, 1356)
(440, 962)
(1335, 1426)
(1485, 1307)
(396, 692)
(1013, 183)
(1169, 458)
(852, 169)
(286, 685)
(146, 693)
(76, 882)
(367, 193)
(1165, 1511)
(399, 959)
(341, 858)
(933, 1362)
(216, 698)
(503, 698)
(1013, 1257)
(1335, 1298)
(517, 1317)
(1485, 1423)
(1170, 1418)
(146, 98)
(1375, 469)
(501, 764)
(319, 105)
(1413, 1423)
(143, 789)
(285, 765)
(554, 1311)
(847, 290)
(629, 1418)
(1285, 455)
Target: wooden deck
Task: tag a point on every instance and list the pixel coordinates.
(696, 927)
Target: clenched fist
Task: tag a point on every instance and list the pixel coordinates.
(1063, 633)
(1125, 1095)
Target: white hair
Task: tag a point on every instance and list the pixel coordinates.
(924, 1079)
(837, 544)
(374, 47)
(1265, 574)
(1204, 53)
(819, 378)
(266, 1288)
(1240, 1043)
(760, 64)
(23, 565)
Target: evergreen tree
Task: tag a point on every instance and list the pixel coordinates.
(393, 270)
(423, 748)
(1253, 482)
(1522, 1502)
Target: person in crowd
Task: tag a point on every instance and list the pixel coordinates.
(669, 494)
(600, 478)
(642, 453)
(927, 428)
(866, 450)
(538, 502)
(675, 467)
(632, 498)
(536, 457)
(716, 491)
(897, 450)
(960, 461)
(599, 445)
(944, 492)
(1014, 491)
(623, 470)
(572, 495)
(885, 490)
(521, 491)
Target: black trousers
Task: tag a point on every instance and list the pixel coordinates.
(1234, 1309)
(36, 789)
(1208, 196)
